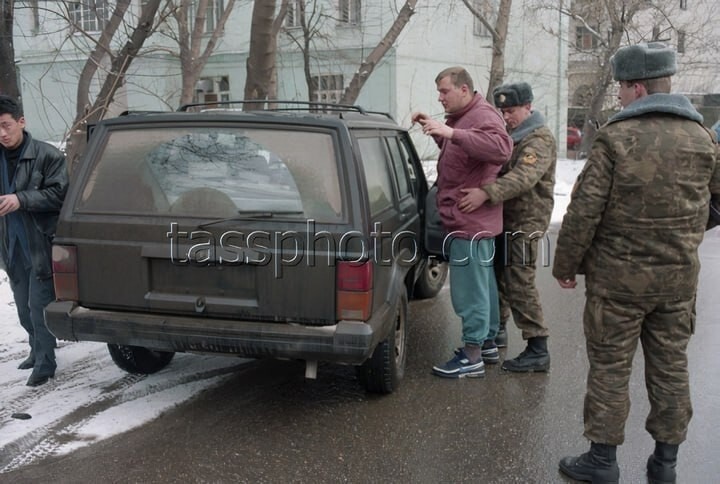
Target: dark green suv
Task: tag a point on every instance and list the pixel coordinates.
(282, 233)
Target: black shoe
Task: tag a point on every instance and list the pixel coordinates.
(501, 338)
(534, 358)
(27, 364)
(661, 464)
(598, 466)
(37, 380)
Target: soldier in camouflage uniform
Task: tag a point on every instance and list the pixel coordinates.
(526, 189)
(637, 215)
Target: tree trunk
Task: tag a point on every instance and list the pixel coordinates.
(102, 49)
(8, 73)
(115, 78)
(277, 25)
(262, 54)
(368, 65)
(499, 38)
(497, 65)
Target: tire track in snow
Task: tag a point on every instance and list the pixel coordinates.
(45, 441)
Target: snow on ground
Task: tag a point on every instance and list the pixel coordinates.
(91, 399)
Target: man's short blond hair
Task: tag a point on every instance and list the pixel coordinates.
(458, 76)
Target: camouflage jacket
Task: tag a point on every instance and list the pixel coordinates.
(527, 181)
(639, 207)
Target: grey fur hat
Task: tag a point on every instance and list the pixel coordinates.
(643, 61)
(509, 95)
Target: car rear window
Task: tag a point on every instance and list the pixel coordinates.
(215, 172)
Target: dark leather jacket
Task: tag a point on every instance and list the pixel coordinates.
(41, 182)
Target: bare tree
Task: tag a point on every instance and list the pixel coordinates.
(309, 24)
(600, 28)
(8, 73)
(192, 33)
(499, 38)
(115, 78)
(101, 50)
(370, 62)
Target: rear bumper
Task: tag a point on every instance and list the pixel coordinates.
(349, 342)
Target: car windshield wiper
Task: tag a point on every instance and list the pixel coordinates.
(250, 214)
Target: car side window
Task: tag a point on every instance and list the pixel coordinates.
(377, 175)
(400, 164)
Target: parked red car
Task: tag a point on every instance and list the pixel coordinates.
(574, 138)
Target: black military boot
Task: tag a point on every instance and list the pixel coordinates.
(501, 336)
(661, 464)
(598, 466)
(534, 358)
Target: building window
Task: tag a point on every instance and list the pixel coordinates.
(681, 41)
(293, 15)
(585, 39)
(213, 90)
(489, 10)
(350, 12)
(683, 4)
(328, 88)
(89, 15)
(213, 14)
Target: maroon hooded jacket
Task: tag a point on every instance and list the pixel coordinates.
(480, 145)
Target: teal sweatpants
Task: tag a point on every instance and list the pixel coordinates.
(473, 288)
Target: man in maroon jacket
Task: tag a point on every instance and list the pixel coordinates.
(473, 147)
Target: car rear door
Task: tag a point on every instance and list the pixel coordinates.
(222, 220)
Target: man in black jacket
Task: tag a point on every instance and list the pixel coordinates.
(33, 183)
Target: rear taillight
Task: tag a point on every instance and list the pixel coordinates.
(65, 278)
(354, 290)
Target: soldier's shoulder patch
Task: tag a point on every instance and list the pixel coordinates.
(529, 158)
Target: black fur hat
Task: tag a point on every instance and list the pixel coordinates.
(643, 61)
(509, 95)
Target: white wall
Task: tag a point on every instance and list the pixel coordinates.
(439, 34)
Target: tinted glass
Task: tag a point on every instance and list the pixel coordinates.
(215, 172)
(379, 184)
(400, 163)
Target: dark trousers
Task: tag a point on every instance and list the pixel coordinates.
(612, 330)
(515, 267)
(31, 296)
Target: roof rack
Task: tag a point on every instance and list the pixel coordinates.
(260, 105)
(139, 113)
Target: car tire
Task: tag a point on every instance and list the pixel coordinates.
(382, 372)
(139, 360)
(431, 279)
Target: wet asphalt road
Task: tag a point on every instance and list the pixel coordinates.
(268, 424)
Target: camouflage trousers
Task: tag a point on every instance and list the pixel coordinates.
(515, 266)
(612, 331)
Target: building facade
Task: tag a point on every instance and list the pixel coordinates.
(52, 44)
(692, 27)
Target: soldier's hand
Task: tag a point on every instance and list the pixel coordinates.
(567, 282)
(473, 199)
